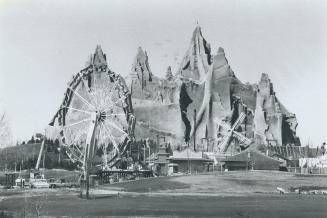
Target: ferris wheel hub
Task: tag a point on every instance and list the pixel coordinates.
(101, 115)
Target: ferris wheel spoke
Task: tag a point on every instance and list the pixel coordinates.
(111, 104)
(96, 94)
(121, 138)
(72, 155)
(79, 122)
(103, 99)
(66, 136)
(111, 137)
(111, 90)
(70, 136)
(108, 95)
(77, 148)
(120, 99)
(75, 109)
(74, 142)
(116, 127)
(83, 99)
(110, 115)
(110, 107)
(105, 136)
(72, 152)
(94, 98)
(89, 93)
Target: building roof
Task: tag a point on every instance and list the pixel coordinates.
(187, 154)
(243, 156)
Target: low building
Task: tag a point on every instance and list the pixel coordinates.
(161, 162)
(314, 165)
(189, 161)
(251, 160)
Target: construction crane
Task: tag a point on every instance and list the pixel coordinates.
(37, 166)
(37, 179)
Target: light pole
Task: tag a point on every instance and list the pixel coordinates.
(148, 146)
(144, 153)
(194, 130)
(247, 161)
(188, 159)
(59, 160)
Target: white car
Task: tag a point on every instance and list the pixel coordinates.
(39, 183)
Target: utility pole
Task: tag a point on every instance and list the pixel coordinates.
(43, 162)
(247, 160)
(59, 159)
(138, 152)
(149, 155)
(188, 159)
(157, 147)
(144, 153)
(130, 149)
(148, 146)
(194, 130)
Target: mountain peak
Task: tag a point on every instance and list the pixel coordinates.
(220, 51)
(169, 75)
(141, 69)
(98, 59)
(197, 58)
(197, 31)
(264, 77)
(265, 85)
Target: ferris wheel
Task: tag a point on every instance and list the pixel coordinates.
(95, 117)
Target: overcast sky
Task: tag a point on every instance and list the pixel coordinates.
(43, 43)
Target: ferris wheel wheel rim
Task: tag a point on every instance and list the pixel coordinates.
(92, 107)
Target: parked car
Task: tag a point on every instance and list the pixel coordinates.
(39, 183)
(61, 183)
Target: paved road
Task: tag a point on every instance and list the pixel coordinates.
(181, 206)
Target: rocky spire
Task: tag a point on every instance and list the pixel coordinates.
(140, 68)
(169, 74)
(98, 59)
(265, 85)
(221, 68)
(197, 59)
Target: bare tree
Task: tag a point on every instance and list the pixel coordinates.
(5, 131)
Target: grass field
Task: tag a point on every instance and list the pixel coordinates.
(237, 182)
(260, 206)
(228, 194)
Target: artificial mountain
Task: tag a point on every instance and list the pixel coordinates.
(205, 83)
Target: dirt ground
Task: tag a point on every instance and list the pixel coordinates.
(231, 194)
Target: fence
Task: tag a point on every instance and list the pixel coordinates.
(308, 170)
